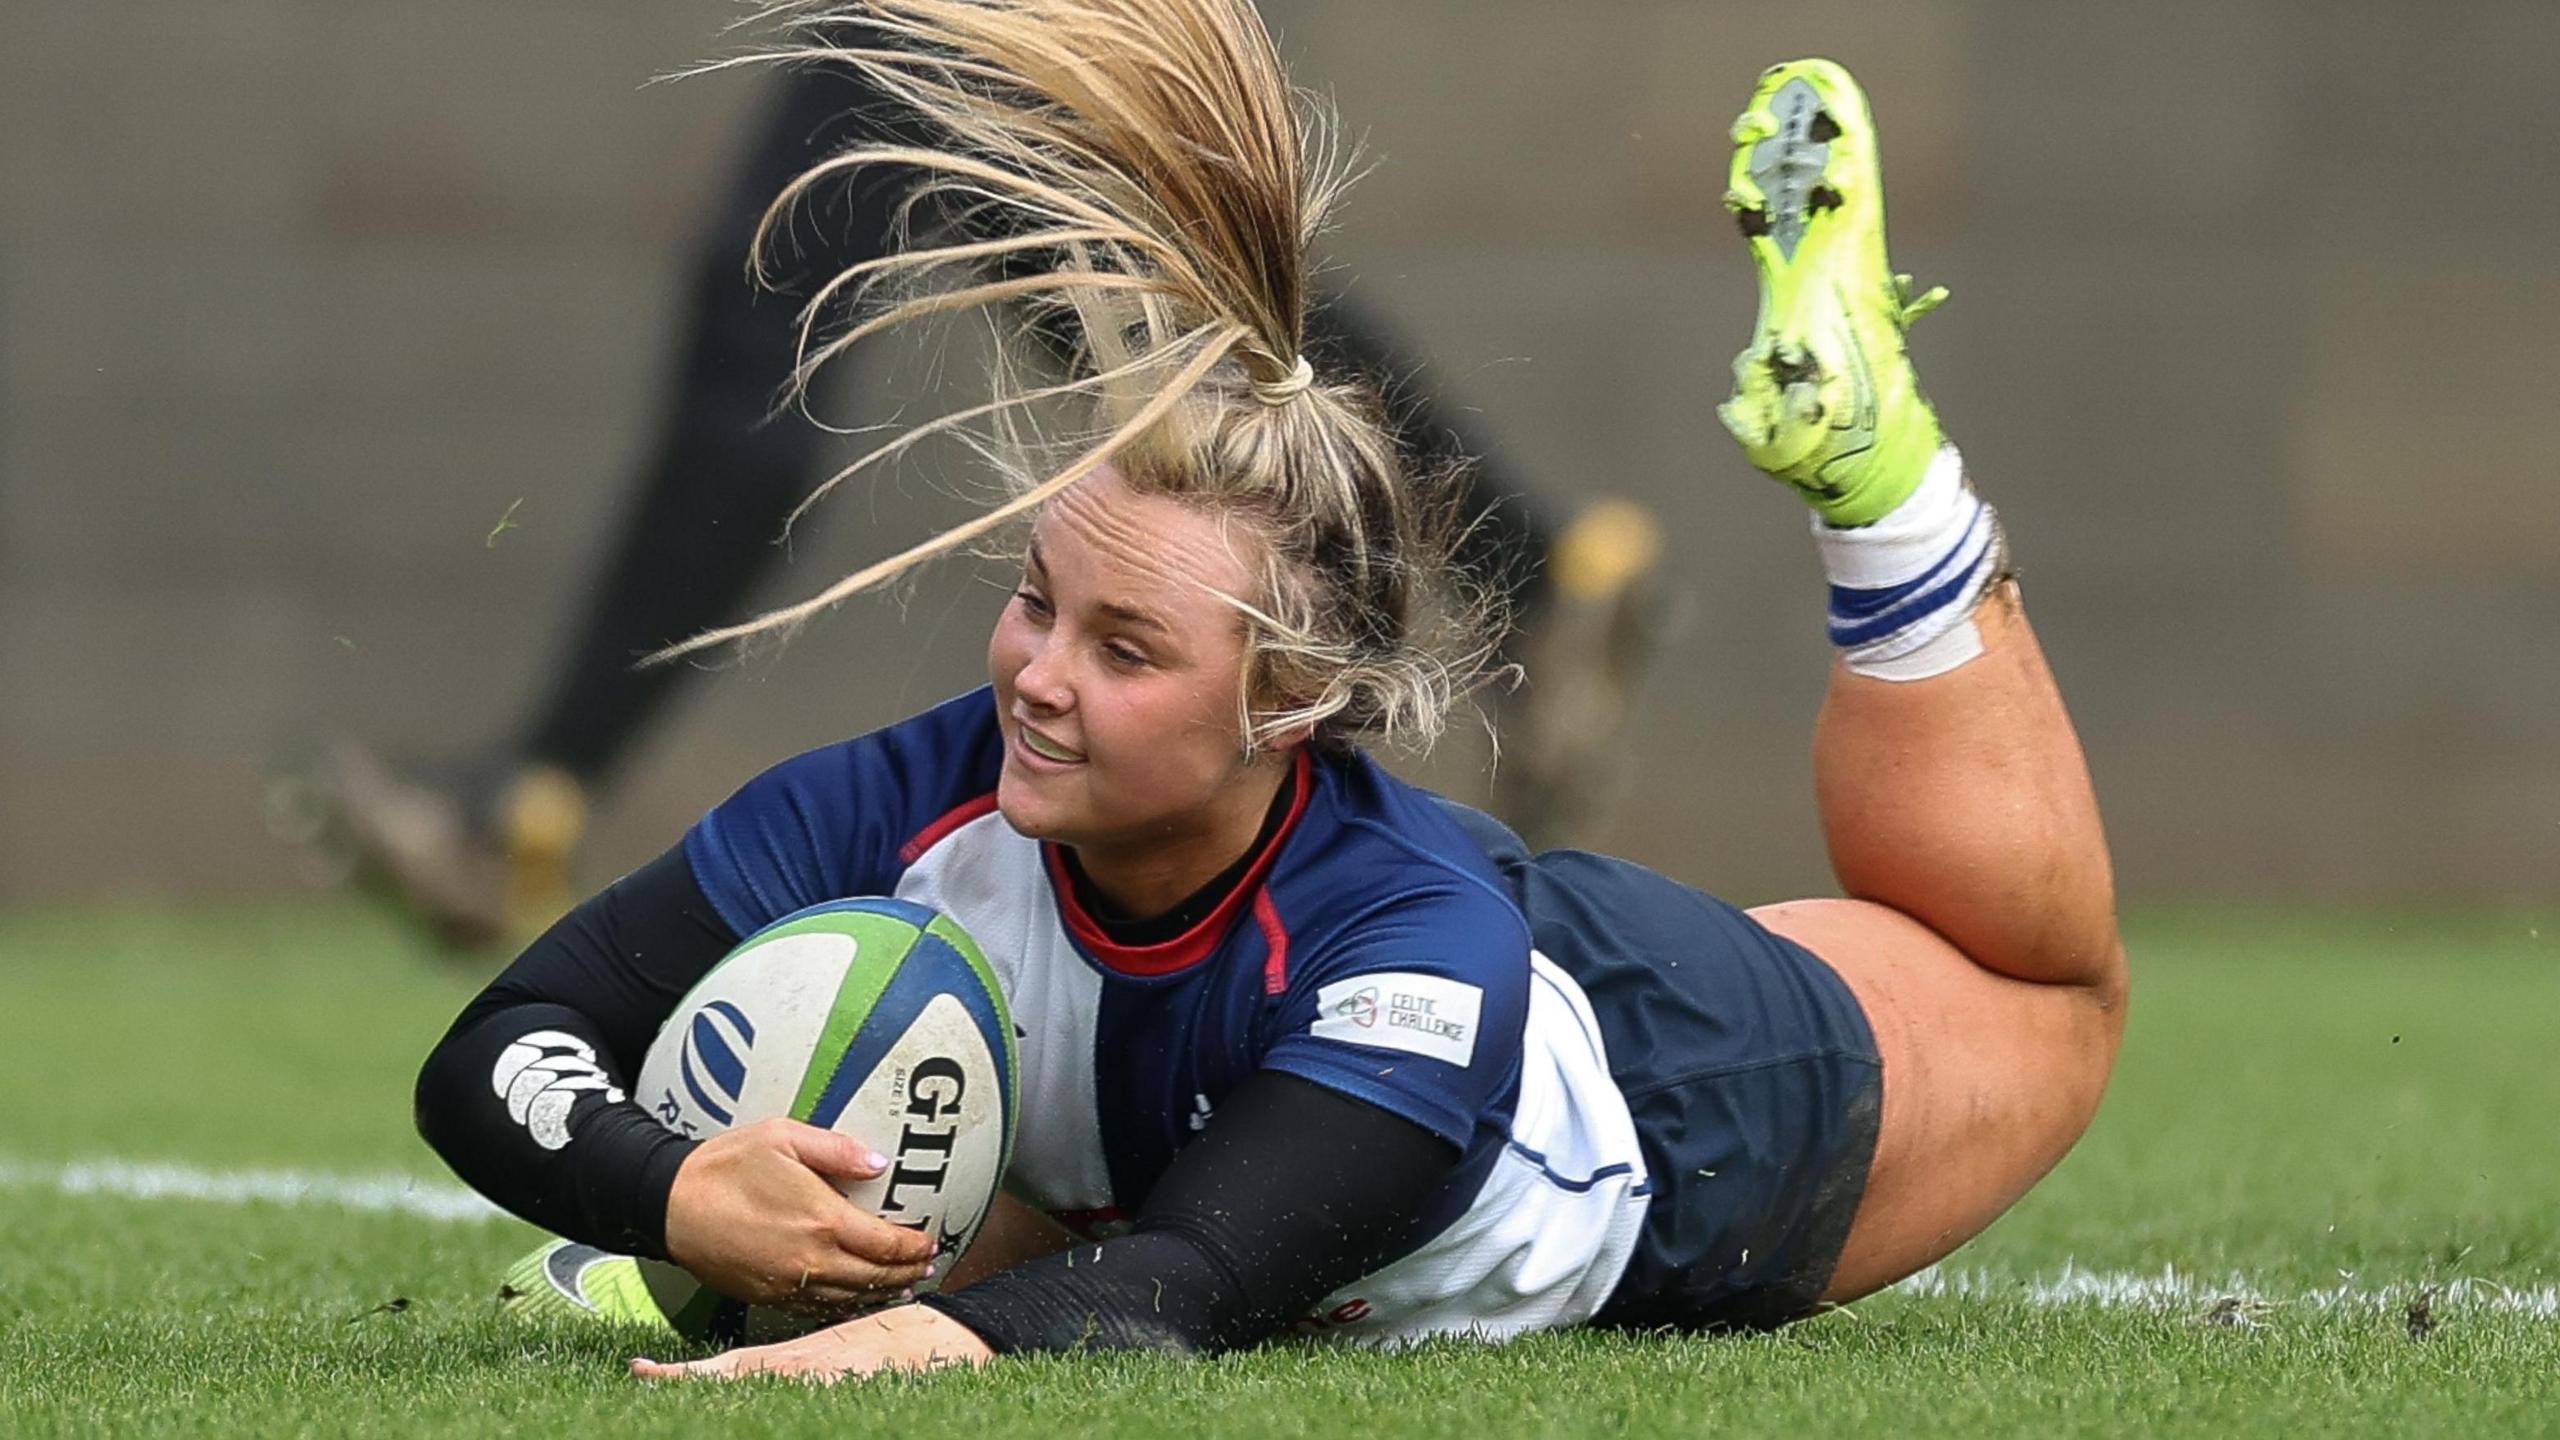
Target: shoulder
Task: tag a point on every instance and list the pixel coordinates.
(949, 748)
(1406, 976)
(1381, 837)
(838, 820)
(1382, 872)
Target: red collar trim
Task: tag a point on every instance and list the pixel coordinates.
(940, 830)
(1193, 945)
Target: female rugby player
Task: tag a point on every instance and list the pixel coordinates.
(1303, 1046)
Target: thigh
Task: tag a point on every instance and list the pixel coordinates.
(1988, 1080)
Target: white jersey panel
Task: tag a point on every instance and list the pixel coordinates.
(1549, 1234)
(989, 878)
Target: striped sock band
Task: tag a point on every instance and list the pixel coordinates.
(1903, 590)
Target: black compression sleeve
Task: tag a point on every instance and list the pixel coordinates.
(524, 1096)
(1292, 1192)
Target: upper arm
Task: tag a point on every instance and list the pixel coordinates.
(836, 821)
(621, 959)
(1418, 1009)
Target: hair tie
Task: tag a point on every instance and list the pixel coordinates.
(1296, 383)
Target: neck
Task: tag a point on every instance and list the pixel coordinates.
(1148, 876)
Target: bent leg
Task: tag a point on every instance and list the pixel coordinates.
(1980, 937)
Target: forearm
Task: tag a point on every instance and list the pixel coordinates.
(527, 1108)
(1293, 1192)
(1143, 1291)
(526, 1096)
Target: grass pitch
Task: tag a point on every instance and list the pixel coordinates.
(2324, 1196)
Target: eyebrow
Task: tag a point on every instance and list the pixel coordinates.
(1126, 614)
(1132, 615)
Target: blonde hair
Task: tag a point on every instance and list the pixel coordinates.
(1142, 171)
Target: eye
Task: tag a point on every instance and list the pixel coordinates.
(1033, 603)
(1125, 655)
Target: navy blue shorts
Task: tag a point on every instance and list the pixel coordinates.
(1751, 1073)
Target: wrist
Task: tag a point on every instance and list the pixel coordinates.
(626, 1174)
(655, 1189)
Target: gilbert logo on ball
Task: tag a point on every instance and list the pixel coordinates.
(876, 1018)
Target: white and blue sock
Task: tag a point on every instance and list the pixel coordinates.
(1903, 590)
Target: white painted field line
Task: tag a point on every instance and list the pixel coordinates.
(382, 1193)
(2173, 1289)
(390, 1193)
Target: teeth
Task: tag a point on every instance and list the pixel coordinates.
(1045, 749)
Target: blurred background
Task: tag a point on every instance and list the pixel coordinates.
(331, 335)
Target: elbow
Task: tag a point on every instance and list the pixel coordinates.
(422, 1104)
(439, 1103)
(431, 1100)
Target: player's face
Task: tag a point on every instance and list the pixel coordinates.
(1118, 673)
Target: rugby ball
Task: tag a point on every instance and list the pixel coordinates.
(876, 1018)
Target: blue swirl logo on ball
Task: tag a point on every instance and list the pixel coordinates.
(714, 1063)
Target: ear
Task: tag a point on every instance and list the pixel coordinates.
(1280, 747)
(1287, 742)
(1281, 744)
(1277, 747)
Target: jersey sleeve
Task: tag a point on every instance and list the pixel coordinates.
(525, 1096)
(1292, 1191)
(1417, 1008)
(841, 820)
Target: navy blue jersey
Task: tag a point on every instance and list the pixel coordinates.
(1372, 948)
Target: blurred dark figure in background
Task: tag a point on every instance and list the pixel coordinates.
(482, 851)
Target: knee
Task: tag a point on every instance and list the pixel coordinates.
(2111, 983)
(2090, 951)
(2077, 945)
(2097, 1034)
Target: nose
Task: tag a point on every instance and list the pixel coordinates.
(1042, 682)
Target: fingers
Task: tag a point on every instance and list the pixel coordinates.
(852, 1277)
(896, 1247)
(885, 1257)
(815, 1269)
(647, 1369)
(769, 1224)
(831, 1282)
(897, 1250)
(820, 1300)
(839, 1157)
(859, 1232)
(850, 1259)
(820, 1359)
(904, 1339)
(728, 1365)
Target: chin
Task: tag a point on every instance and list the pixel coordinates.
(1029, 813)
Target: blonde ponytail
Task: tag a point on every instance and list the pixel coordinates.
(1141, 170)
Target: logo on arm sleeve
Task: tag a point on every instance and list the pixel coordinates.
(1427, 1015)
(541, 1076)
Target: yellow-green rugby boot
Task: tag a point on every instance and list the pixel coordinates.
(1824, 397)
(565, 1278)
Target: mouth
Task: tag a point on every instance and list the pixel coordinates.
(1042, 747)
